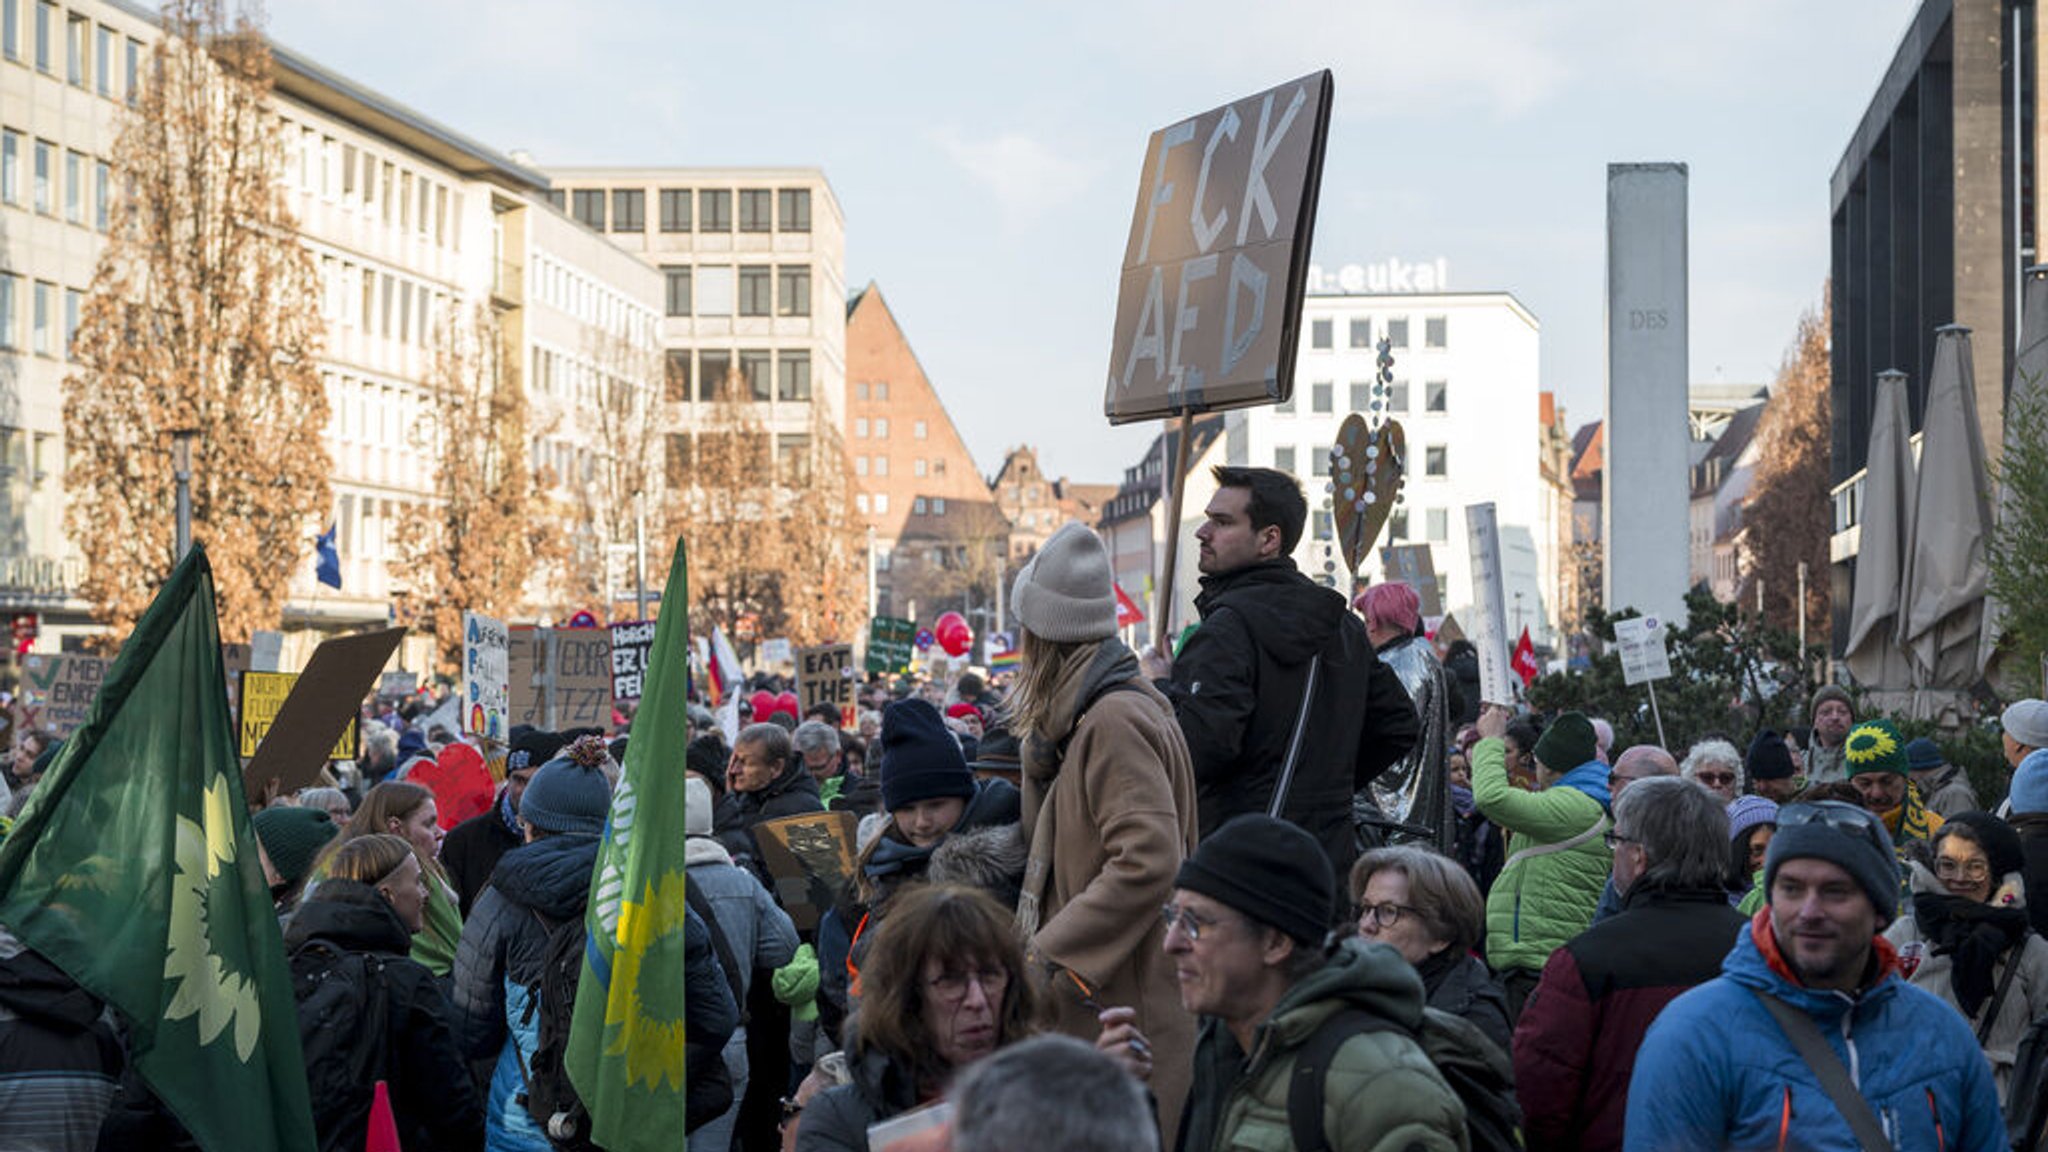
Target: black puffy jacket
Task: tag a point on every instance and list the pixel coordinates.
(1237, 686)
(433, 1097)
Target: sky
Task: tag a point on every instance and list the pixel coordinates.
(987, 157)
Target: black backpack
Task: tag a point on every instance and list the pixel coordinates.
(2026, 1100)
(550, 1099)
(1472, 1065)
(345, 1034)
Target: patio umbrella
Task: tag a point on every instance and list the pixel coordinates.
(1941, 595)
(1875, 661)
(2029, 381)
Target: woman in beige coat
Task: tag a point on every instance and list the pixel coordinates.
(1109, 812)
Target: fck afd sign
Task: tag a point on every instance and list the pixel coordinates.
(1209, 307)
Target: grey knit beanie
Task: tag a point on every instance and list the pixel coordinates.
(1065, 593)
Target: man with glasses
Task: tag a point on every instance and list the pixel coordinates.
(1245, 929)
(1640, 762)
(1578, 1036)
(1810, 1038)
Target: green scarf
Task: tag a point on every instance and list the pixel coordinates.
(434, 945)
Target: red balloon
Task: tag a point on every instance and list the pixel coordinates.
(791, 703)
(763, 703)
(953, 634)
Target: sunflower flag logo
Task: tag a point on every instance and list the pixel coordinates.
(1870, 745)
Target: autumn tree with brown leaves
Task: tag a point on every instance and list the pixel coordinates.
(625, 479)
(474, 544)
(828, 593)
(1789, 515)
(204, 315)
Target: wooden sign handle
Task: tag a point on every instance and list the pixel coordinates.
(1163, 608)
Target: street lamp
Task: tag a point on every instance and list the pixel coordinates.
(181, 468)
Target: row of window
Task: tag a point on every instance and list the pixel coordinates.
(1322, 395)
(792, 454)
(878, 428)
(570, 377)
(50, 331)
(30, 177)
(1435, 333)
(879, 391)
(745, 290)
(586, 298)
(754, 373)
(380, 303)
(411, 202)
(689, 210)
(879, 468)
(89, 50)
(1436, 526)
(368, 411)
(1436, 460)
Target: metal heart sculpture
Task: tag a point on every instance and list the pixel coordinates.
(1365, 480)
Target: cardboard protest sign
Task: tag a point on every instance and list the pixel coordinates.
(810, 856)
(578, 680)
(262, 697)
(632, 646)
(486, 687)
(889, 643)
(56, 691)
(1413, 565)
(396, 684)
(526, 661)
(1208, 308)
(320, 708)
(824, 675)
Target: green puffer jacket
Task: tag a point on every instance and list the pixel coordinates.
(1381, 1095)
(1539, 902)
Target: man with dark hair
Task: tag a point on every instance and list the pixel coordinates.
(1238, 684)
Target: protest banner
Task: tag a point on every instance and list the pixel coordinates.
(1413, 565)
(55, 693)
(486, 689)
(396, 684)
(824, 675)
(632, 646)
(889, 644)
(577, 680)
(262, 696)
(810, 856)
(526, 659)
(317, 720)
(1489, 617)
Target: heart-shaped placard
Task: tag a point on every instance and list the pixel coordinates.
(1365, 479)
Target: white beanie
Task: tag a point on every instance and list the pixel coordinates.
(1065, 593)
(2027, 722)
(697, 805)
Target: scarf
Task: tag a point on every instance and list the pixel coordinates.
(1462, 801)
(1974, 936)
(1909, 821)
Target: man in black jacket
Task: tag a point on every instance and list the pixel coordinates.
(1238, 682)
(764, 781)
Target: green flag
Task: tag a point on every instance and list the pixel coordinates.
(625, 1053)
(134, 870)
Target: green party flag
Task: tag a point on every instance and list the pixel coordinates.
(134, 870)
(625, 1054)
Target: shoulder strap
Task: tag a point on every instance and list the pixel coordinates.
(1834, 1079)
(2012, 967)
(702, 908)
(1305, 1090)
(1599, 826)
(1286, 782)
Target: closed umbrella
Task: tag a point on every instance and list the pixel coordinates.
(1941, 598)
(1873, 658)
(2029, 381)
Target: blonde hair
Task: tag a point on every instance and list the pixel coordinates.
(369, 859)
(1045, 664)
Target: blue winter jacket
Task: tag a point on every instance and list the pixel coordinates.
(1716, 1071)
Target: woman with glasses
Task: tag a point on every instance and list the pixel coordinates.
(1716, 766)
(1967, 939)
(944, 985)
(1430, 911)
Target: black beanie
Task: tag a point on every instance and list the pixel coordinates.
(1269, 870)
(1768, 758)
(920, 758)
(533, 748)
(1869, 859)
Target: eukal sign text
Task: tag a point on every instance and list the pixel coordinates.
(1209, 307)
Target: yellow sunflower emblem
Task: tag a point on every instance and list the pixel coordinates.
(645, 1019)
(1870, 743)
(204, 985)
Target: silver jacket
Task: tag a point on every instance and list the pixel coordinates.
(1414, 790)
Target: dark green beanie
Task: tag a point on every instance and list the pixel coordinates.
(293, 838)
(1876, 746)
(1569, 742)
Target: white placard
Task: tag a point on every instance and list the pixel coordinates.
(486, 683)
(1489, 624)
(1641, 643)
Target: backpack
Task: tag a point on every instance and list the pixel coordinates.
(2026, 1100)
(550, 1099)
(1472, 1065)
(709, 1086)
(345, 1033)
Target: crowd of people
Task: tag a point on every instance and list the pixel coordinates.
(1291, 886)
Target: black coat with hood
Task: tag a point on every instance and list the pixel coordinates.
(793, 793)
(433, 1097)
(1237, 687)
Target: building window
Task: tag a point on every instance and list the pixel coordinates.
(1283, 460)
(860, 468)
(559, 199)
(44, 153)
(1319, 461)
(757, 366)
(917, 506)
(7, 290)
(882, 391)
(714, 210)
(1436, 460)
(918, 467)
(74, 187)
(10, 167)
(882, 466)
(103, 60)
(793, 290)
(860, 390)
(1361, 395)
(881, 427)
(1319, 334)
(587, 205)
(102, 195)
(882, 509)
(74, 303)
(1286, 407)
(714, 289)
(132, 89)
(860, 427)
(1320, 396)
(1439, 524)
(918, 430)
(1397, 397)
(10, 32)
(1326, 525)
(939, 466)
(40, 319)
(938, 505)
(756, 290)
(795, 209)
(757, 207)
(1436, 396)
(1435, 332)
(629, 210)
(1397, 525)
(675, 209)
(1361, 333)
(793, 459)
(77, 42)
(46, 15)
(677, 377)
(1397, 333)
(678, 280)
(793, 376)
(713, 368)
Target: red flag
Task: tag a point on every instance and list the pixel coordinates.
(383, 1127)
(1525, 660)
(1127, 612)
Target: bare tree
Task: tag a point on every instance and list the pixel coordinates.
(827, 598)
(204, 315)
(1789, 516)
(725, 503)
(625, 480)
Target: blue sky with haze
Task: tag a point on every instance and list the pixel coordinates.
(986, 156)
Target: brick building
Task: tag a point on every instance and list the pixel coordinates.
(1037, 504)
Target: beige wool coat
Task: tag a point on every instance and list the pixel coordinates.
(1109, 824)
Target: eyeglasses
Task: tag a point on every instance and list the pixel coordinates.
(1614, 839)
(1949, 869)
(1191, 925)
(1715, 779)
(1847, 819)
(952, 986)
(1385, 915)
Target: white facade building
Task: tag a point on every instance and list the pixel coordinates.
(1465, 389)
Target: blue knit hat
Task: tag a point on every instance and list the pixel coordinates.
(920, 758)
(565, 796)
(1923, 755)
(2030, 784)
(1747, 812)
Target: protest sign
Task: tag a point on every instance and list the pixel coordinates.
(810, 856)
(56, 691)
(1640, 640)
(317, 719)
(234, 660)
(266, 651)
(777, 651)
(578, 678)
(889, 643)
(262, 697)
(1209, 303)
(486, 690)
(632, 647)
(1489, 618)
(824, 675)
(397, 684)
(1413, 565)
(526, 660)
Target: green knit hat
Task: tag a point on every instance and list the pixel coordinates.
(1569, 742)
(293, 838)
(1876, 746)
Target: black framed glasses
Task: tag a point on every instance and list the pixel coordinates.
(1385, 915)
(1191, 925)
(1615, 839)
(1847, 819)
